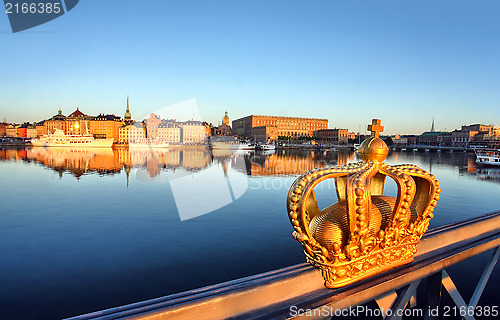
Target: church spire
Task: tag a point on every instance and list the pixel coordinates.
(128, 116)
(432, 128)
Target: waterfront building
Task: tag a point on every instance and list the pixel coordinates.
(334, 136)
(30, 132)
(479, 127)
(2, 129)
(105, 126)
(136, 132)
(152, 124)
(265, 133)
(77, 123)
(123, 133)
(404, 140)
(224, 129)
(286, 126)
(11, 130)
(41, 129)
(208, 128)
(192, 132)
(56, 122)
(169, 132)
(431, 138)
(444, 139)
(461, 138)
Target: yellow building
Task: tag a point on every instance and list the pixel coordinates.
(123, 133)
(192, 132)
(11, 131)
(78, 123)
(105, 126)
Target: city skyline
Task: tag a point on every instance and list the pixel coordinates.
(404, 63)
(363, 129)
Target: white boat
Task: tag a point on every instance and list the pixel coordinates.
(59, 139)
(489, 157)
(356, 146)
(403, 149)
(415, 149)
(230, 143)
(426, 150)
(267, 147)
(233, 146)
(148, 143)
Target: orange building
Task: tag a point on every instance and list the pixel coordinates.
(77, 123)
(105, 126)
(285, 126)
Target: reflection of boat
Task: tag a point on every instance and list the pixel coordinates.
(489, 157)
(148, 143)
(268, 152)
(59, 139)
(486, 173)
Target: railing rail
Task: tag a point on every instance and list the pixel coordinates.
(281, 294)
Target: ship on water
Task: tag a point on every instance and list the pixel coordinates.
(59, 139)
(230, 143)
(487, 157)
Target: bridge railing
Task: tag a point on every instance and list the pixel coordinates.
(297, 292)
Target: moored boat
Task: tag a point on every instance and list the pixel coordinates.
(488, 157)
(59, 139)
(265, 147)
(230, 143)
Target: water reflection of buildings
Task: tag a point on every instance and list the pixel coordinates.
(109, 161)
(287, 163)
(76, 162)
(154, 161)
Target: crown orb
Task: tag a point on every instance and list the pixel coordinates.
(373, 149)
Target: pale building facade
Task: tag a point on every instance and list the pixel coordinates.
(192, 132)
(169, 132)
(136, 132)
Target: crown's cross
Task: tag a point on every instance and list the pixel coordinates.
(375, 128)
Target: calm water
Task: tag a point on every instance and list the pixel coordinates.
(82, 231)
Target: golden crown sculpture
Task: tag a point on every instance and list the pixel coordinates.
(365, 232)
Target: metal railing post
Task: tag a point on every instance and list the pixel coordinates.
(433, 299)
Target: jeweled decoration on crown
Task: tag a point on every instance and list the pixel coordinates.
(365, 232)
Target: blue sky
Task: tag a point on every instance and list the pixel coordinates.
(348, 61)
